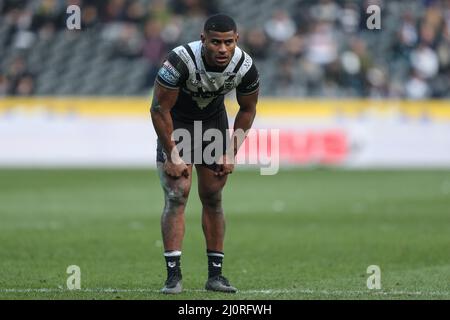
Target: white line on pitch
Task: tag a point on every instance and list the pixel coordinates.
(263, 291)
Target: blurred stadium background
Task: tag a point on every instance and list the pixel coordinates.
(341, 95)
(302, 48)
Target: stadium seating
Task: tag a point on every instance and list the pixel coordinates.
(106, 57)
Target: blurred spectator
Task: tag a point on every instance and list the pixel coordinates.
(256, 43)
(16, 70)
(294, 47)
(159, 10)
(285, 78)
(377, 79)
(280, 27)
(355, 63)
(194, 7)
(24, 37)
(425, 62)
(433, 15)
(46, 12)
(325, 10)
(129, 42)
(25, 86)
(446, 27)
(114, 11)
(428, 34)
(135, 12)
(321, 44)
(154, 49)
(47, 31)
(349, 17)
(89, 17)
(171, 32)
(416, 87)
(407, 33)
(17, 80)
(4, 85)
(154, 46)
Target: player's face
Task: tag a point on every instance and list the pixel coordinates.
(219, 47)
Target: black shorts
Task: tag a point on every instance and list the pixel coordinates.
(194, 151)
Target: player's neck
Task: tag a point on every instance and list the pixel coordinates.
(210, 67)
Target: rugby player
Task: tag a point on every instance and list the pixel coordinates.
(190, 86)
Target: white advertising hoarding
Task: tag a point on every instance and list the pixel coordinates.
(48, 140)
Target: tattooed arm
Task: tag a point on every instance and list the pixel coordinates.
(163, 101)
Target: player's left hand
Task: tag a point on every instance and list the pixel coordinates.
(225, 166)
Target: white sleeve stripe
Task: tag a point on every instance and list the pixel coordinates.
(165, 85)
(246, 93)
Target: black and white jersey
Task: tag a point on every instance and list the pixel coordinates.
(202, 88)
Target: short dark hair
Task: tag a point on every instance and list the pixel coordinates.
(220, 23)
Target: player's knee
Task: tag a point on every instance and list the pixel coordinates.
(212, 201)
(176, 198)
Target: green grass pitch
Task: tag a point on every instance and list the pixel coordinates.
(301, 234)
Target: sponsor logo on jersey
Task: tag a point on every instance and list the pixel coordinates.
(204, 95)
(196, 83)
(229, 84)
(171, 68)
(184, 56)
(253, 85)
(247, 62)
(169, 74)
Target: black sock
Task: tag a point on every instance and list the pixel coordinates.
(215, 259)
(173, 263)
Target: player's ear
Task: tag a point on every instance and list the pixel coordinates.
(202, 37)
(237, 37)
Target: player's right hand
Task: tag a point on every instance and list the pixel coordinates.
(176, 170)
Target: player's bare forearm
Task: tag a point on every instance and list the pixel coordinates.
(162, 122)
(242, 123)
(163, 101)
(244, 118)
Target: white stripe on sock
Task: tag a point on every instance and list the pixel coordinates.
(172, 254)
(213, 254)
